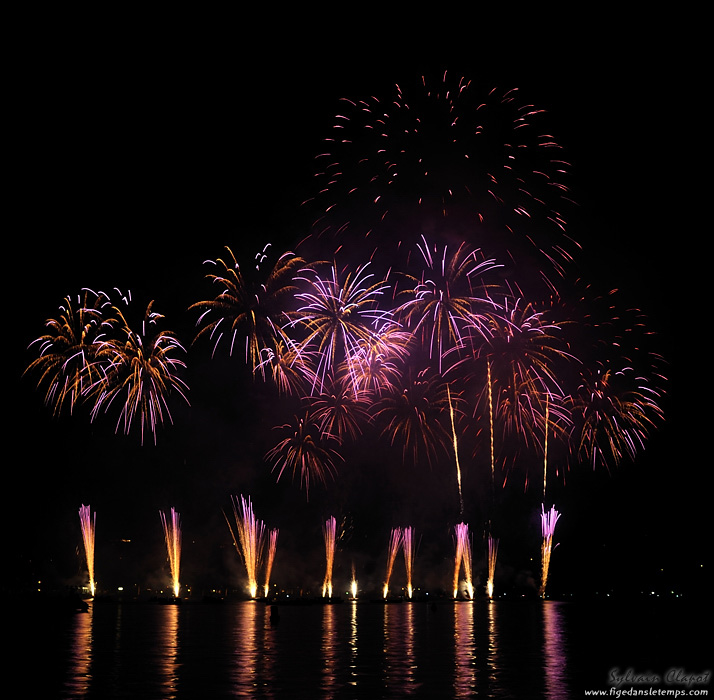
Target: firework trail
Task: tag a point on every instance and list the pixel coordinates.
(456, 453)
(395, 542)
(329, 532)
(172, 534)
(492, 555)
(272, 544)
(548, 522)
(248, 539)
(89, 522)
(463, 556)
(408, 549)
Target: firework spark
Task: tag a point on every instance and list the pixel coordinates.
(89, 522)
(329, 532)
(172, 534)
(395, 542)
(248, 539)
(548, 522)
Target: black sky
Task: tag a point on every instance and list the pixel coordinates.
(140, 155)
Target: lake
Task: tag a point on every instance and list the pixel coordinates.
(445, 649)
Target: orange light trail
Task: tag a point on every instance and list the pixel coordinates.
(172, 533)
(89, 522)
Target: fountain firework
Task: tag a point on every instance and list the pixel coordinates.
(492, 554)
(353, 583)
(408, 549)
(89, 523)
(272, 544)
(249, 541)
(548, 522)
(463, 556)
(172, 533)
(395, 541)
(329, 532)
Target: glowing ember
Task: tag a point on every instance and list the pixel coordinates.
(249, 540)
(329, 532)
(548, 522)
(89, 522)
(395, 542)
(353, 584)
(272, 544)
(172, 533)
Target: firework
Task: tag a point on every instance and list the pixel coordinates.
(272, 544)
(412, 413)
(443, 304)
(408, 549)
(614, 410)
(172, 534)
(67, 351)
(250, 308)
(329, 532)
(456, 452)
(463, 557)
(304, 451)
(339, 314)
(395, 542)
(492, 555)
(139, 370)
(248, 539)
(548, 522)
(89, 522)
(446, 148)
(353, 584)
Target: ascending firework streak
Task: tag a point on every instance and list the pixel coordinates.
(492, 554)
(456, 452)
(272, 544)
(172, 533)
(408, 548)
(330, 534)
(395, 541)
(463, 555)
(548, 521)
(353, 583)
(88, 525)
(249, 541)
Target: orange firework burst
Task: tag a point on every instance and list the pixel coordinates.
(172, 534)
(89, 523)
(248, 539)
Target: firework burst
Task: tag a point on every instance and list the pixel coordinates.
(305, 451)
(250, 308)
(445, 148)
(272, 545)
(409, 553)
(463, 557)
(139, 371)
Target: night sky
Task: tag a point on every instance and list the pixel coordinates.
(142, 156)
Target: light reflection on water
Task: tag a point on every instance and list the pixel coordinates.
(352, 650)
